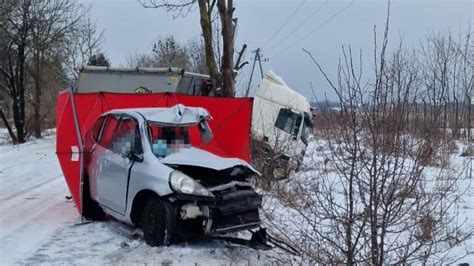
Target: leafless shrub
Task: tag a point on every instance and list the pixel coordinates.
(468, 151)
(391, 193)
(426, 230)
(452, 147)
(272, 163)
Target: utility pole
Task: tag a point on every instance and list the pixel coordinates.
(259, 61)
(255, 58)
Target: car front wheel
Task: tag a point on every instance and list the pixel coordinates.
(156, 222)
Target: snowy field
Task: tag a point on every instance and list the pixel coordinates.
(302, 185)
(38, 225)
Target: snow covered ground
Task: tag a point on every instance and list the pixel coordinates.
(301, 188)
(38, 225)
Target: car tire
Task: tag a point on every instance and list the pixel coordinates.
(155, 222)
(91, 210)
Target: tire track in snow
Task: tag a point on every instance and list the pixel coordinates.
(23, 211)
(27, 162)
(32, 204)
(26, 239)
(29, 189)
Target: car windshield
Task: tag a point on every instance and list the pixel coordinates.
(168, 139)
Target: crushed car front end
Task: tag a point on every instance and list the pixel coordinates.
(234, 207)
(222, 201)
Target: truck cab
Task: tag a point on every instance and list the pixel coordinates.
(281, 123)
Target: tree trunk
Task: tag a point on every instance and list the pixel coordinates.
(469, 117)
(226, 15)
(38, 93)
(7, 125)
(19, 100)
(206, 26)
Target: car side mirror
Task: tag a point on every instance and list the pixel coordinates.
(206, 133)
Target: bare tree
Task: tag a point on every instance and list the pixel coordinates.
(169, 52)
(224, 76)
(447, 78)
(226, 14)
(83, 42)
(16, 28)
(196, 56)
(466, 81)
(51, 21)
(141, 60)
(36, 38)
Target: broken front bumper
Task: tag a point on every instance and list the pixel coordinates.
(229, 211)
(235, 211)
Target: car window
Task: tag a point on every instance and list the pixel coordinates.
(97, 127)
(126, 137)
(108, 132)
(288, 121)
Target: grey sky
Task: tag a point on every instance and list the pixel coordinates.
(130, 28)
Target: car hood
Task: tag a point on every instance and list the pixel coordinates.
(197, 157)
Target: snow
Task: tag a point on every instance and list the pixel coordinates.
(39, 225)
(301, 188)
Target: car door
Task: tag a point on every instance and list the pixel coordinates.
(93, 157)
(118, 140)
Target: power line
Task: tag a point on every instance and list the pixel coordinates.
(324, 23)
(329, 19)
(297, 28)
(284, 23)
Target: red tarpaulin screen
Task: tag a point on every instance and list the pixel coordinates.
(76, 113)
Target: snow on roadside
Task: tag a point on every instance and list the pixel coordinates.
(38, 225)
(297, 229)
(32, 203)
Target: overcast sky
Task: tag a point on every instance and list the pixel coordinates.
(319, 26)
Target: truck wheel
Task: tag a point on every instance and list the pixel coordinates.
(155, 223)
(90, 208)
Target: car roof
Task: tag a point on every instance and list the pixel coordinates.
(178, 114)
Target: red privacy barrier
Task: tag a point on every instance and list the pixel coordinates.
(76, 113)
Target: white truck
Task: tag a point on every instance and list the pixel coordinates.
(281, 123)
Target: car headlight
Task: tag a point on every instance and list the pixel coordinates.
(182, 183)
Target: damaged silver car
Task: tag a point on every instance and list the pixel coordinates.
(142, 170)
